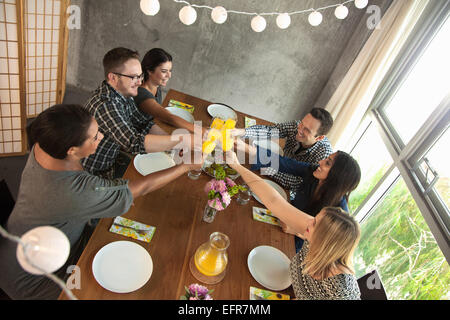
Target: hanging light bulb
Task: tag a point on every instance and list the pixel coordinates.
(315, 18)
(46, 248)
(283, 20)
(258, 23)
(361, 3)
(219, 14)
(150, 7)
(341, 12)
(187, 15)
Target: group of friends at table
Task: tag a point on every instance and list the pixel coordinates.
(73, 177)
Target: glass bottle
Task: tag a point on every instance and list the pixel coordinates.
(211, 259)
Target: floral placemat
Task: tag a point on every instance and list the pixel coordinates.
(182, 105)
(249, 122)
(261, 294)
(124, 231)
(264, 215)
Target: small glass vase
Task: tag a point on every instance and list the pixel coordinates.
(209, 214)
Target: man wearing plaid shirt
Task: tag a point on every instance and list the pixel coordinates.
(305, 141)
(123, 125)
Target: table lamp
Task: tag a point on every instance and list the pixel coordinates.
(41, 251)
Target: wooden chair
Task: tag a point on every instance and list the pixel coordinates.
(6, 202)
(6, 206)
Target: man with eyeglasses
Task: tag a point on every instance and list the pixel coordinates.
(123, 125)
(306, 141)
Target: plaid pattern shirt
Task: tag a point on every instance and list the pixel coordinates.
(121, 122)
(292, 149)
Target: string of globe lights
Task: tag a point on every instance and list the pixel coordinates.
(219, 14)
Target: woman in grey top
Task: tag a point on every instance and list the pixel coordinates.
(56, 191)
(322, 269)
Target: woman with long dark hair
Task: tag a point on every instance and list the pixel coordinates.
(328, 183)
(55, 190)
(157, 68)
(334, 187)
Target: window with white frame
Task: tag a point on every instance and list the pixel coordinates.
(402, 146)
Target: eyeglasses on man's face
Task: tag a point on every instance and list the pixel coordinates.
(134, 78)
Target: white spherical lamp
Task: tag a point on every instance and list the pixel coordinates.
(150, 7)
(258, 23)
(360, 4)
(341, 12)
(283, 20)
(219, 14)
(46, 248)
(315, 18)
(187, 15)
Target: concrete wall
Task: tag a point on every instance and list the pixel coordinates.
(277, 75)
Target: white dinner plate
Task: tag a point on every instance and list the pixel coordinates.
(122, 266)
(221, 111)
(186, 115)
(276, 186)
(269, 145)
(152, 162)
(270, 267)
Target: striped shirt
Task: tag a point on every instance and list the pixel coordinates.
(121, 122)
(292, 149)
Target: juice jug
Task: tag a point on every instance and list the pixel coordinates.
(211, 259)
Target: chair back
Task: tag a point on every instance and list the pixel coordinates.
(371, 287)
(6, 202)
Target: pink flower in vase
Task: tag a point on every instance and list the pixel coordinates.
(216, 204)
(210, 185)
(221, 186)
(230, 182)
(226, 198)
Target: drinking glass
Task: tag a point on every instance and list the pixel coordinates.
(243, 197)
(195, 174)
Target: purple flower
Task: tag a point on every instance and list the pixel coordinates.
(197, 290)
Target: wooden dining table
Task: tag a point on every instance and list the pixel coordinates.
(176, 211)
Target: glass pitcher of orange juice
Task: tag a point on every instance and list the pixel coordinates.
(211, 259)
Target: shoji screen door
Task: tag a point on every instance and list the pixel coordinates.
(13, 117)
(33, 44)
(44, 50)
